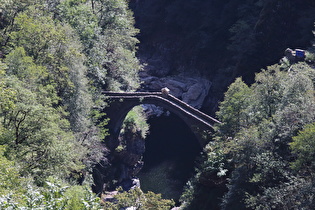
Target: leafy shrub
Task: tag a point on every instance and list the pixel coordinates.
(141, 201)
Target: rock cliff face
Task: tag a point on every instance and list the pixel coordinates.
(124, 164)
(130, 159)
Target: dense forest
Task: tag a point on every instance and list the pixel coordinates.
(57, 57)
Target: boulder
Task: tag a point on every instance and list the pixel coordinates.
(153, 110)
(191, 89)
(110, 196)
(195, 95)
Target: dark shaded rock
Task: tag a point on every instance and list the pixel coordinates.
(128, 158)
(130, 184)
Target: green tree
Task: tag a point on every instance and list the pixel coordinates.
(9, 9)
(46, 42)
(38, 134)
(303, 148)
(136, 198)
(40, 140)
(232, 110)
(52, 54)
(54, 195)
(280, 103)
(268, 92)
(135, 121)
(7, 95)
(108, 35)
(297, 103)
(10, 180)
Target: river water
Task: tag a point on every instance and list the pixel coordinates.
(171, 151)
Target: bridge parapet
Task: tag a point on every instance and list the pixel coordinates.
(169, 97)
(193, 110)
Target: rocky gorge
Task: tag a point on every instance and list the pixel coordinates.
(196, 50)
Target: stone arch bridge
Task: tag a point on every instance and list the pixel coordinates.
(120, 103)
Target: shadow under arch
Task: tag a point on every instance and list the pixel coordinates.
(169, 159)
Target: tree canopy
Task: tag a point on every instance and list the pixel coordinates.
(55, 59)
(265, 144)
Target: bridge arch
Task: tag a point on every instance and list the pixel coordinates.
(119, 106)
(121, 103)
